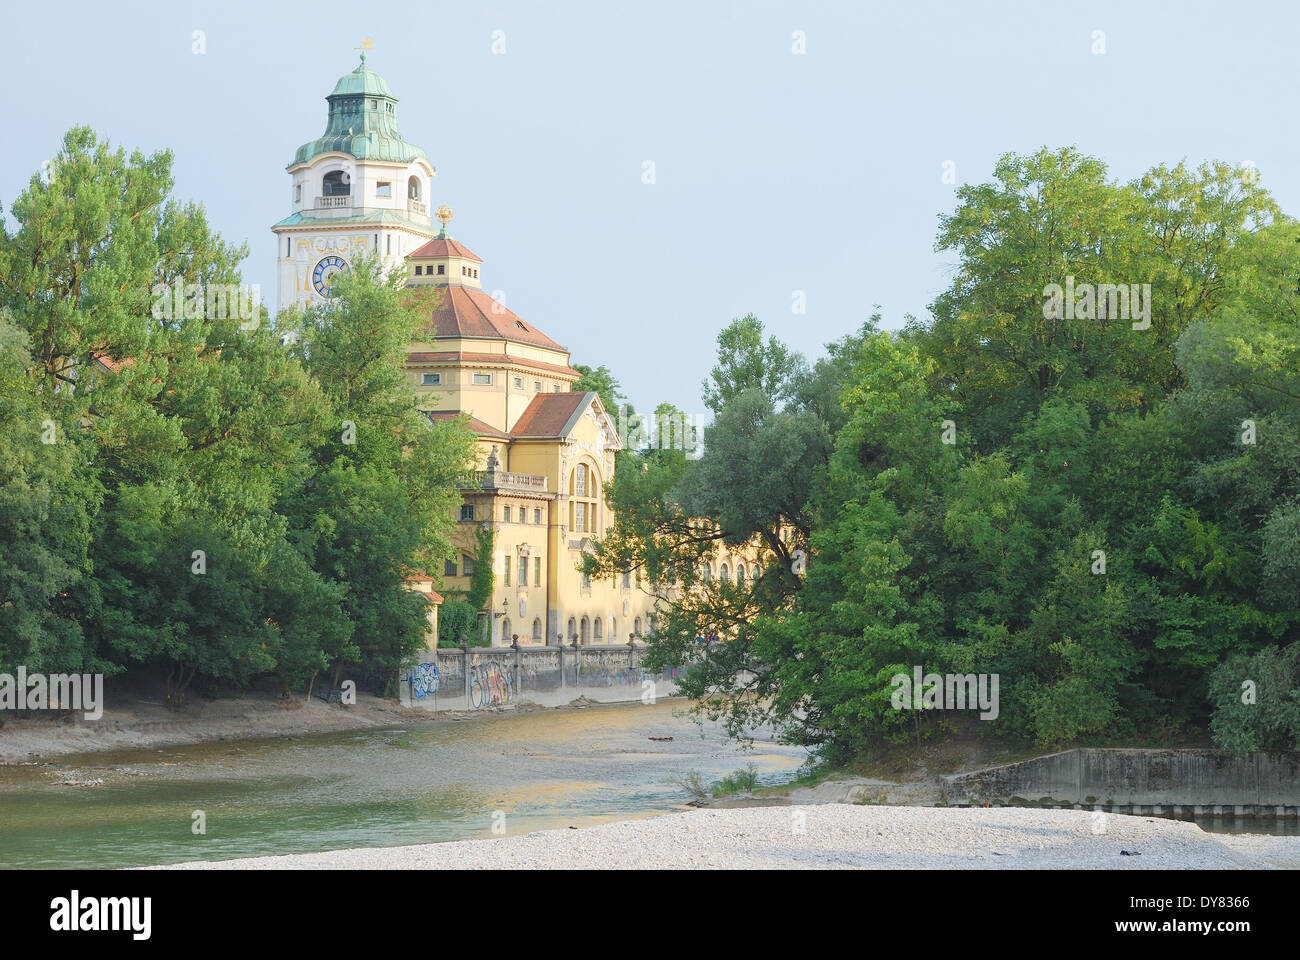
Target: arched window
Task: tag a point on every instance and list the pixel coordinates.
(740, 574)
(584, 634)
(505, 630)
(725, 573)
(580, 481)
(573, 629)
(596, 633)
(537, 629)
(613, 630)
(336, 184)
(708, 572)
(413, 188)
(636, 626)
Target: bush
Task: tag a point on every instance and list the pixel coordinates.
(1256, 701)
(456, 618)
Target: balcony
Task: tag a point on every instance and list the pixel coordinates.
(325, 203)
(500, 480)
(416, 208)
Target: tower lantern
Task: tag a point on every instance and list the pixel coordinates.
(358, 189)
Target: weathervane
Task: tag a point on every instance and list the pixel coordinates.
(366, 44)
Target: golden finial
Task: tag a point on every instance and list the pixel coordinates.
(444, 213)
(366, 44)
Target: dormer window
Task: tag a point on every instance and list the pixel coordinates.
(520, 325)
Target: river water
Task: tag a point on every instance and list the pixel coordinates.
(443, 780)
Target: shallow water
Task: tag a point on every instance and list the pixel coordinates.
(443, 780)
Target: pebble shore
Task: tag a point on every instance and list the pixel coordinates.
(821, 836)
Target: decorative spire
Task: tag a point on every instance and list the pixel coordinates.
(366, 44)
(444, 213)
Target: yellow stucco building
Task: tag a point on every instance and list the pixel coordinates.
(545, 453)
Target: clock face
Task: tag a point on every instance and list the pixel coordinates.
(323, 275)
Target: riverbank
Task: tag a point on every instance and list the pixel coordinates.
(146, 723)
(830, 836)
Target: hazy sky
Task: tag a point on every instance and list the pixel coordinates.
(774, 171)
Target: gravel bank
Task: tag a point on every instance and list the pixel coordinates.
(832, 835)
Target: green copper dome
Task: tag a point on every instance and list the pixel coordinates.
(362, 80)
(362, 122)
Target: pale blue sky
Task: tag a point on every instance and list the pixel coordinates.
(775, 172)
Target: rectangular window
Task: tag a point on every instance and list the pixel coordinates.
(383, 189)
(586, 581)
(537, 571)
(627, 580)
(537, 516)
(519, 383)
(505, 512)
(389, 239)
(467, 511)
(449, 568)
(537, 386)
(441, 269)
(555, 388)
(523, 571)
(431, 379)
(580, 516)
(507, 577)
(467, 565)
(483, 379)
(297, 193)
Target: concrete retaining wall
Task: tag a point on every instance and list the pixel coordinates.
(485, 677)
(1141, 780)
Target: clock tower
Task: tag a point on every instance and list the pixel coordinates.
(357, 189)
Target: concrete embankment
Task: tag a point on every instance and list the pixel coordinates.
(1142, 781)
(831, 836)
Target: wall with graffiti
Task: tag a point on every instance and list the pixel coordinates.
(491, 684)
(481, 679)
(423, 679)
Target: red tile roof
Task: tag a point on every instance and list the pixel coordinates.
(442, 356)
(475, 424)
(551, 414)
(444, 247)
(466, 312)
